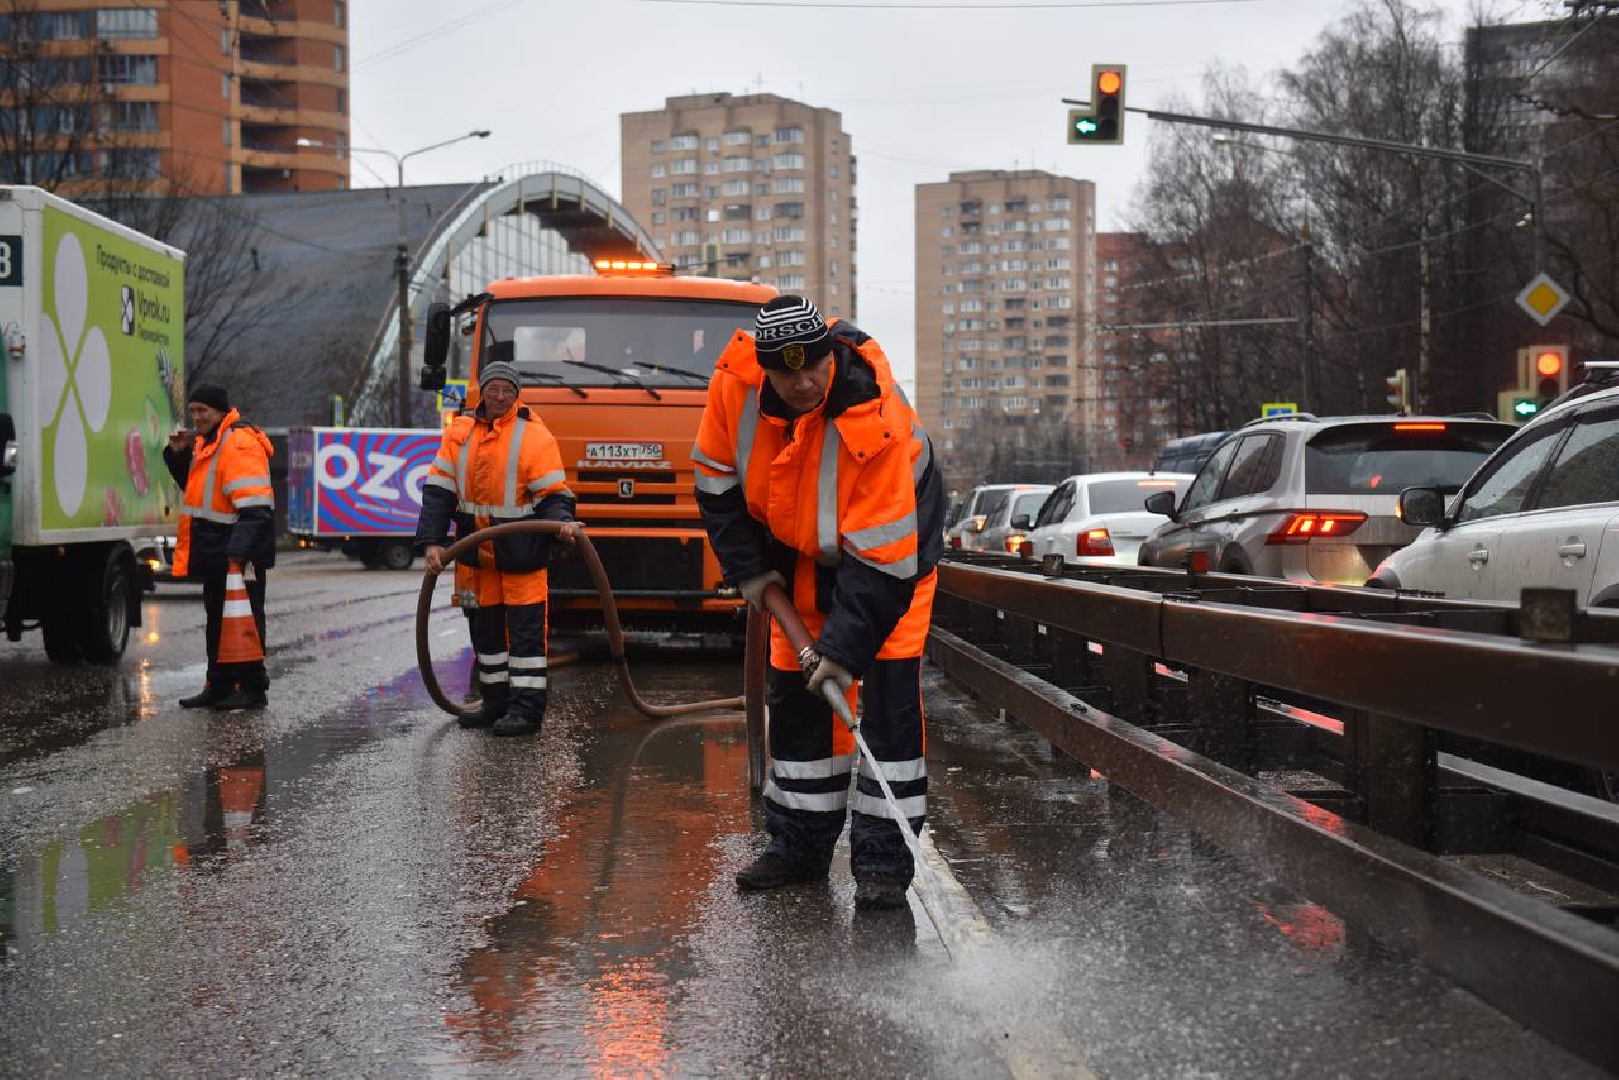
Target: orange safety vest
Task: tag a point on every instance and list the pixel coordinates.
(229, 473)
(498, 470)
(828, 491)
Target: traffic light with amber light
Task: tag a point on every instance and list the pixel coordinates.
(1103, 123)
(1397, 388)
(1550, 363)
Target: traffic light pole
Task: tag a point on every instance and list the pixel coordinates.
(1471, 161)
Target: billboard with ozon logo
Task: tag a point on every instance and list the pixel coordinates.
(359, 489)
(92, 315)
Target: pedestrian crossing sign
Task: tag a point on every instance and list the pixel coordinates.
(453, 398)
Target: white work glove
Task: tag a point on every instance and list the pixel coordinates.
(753, 588)
(830, 671)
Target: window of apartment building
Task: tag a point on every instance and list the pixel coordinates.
(713, 192)
(971, 247)
(790, 209)
(131, 164)
(659, 217)
(761, 239)
(711, 168)
(792, 234)
(947, 230)
(1060, 302)
(1057, 243)
(972, 305)
(126, 69)
(761, 189)
(832, 195)
(1014, 265)
(834, 146)
(1060, 203)
(1110, 280)
(737, 236)
(994, 228)
(761, 213)
(831, 217)
(793, 134)
(1058, 264)
(1056, 224)
(684, 167)
(224, 41)
(1014, 285)
(791, 281)
(659, 170)
(227, 127)
(945, 250)
(790, 258)
(683, 191)
(340, 13)
(712, 144)
(135, 116)
(761, 140)
(735, 164)
(126, 23)
(832, 268)
(972, 266)
(832, 171)
(789, 185)
(337, 58)
(947, 308)
(658, 196)
(738, 212)
(738, 137)
(788, 161)
(764, 262)
(685, 237)
(683, 142)
(713, 214)
(736, 260)
(657, 146)
(224, 86)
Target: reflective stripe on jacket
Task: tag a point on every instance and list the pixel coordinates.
(228, 501)
(848, 487)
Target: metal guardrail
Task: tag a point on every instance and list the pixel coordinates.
(1184, 690)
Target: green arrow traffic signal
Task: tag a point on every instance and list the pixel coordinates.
(1525, 408)
(1086, 126)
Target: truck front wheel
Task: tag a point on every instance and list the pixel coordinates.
(103, 628)
(396, 556)
(61, 642)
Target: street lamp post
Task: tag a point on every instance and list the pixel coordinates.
(402, 256)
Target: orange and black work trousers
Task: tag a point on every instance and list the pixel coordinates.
(807, 796)
(249, 676)
(509, 640)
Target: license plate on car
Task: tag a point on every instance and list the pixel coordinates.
(624, 451)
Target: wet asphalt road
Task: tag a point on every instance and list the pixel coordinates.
(346, 884)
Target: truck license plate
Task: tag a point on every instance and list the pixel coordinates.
(624, 451)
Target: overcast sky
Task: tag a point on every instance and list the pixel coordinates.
(922, 91)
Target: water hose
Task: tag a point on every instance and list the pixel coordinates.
(604, 590)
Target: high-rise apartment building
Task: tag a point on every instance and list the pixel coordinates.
(752, 187)
(1004, 283)
(209, 98)
(1135, 386)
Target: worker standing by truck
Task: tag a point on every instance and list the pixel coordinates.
(227, 515)
(499, 463)
(814, 474)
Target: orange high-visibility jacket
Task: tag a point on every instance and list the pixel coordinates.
(228, 501)
(493, 471)
(843, 500)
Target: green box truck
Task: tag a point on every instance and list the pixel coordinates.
(92, 316)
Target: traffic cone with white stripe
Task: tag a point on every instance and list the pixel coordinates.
(238, 634)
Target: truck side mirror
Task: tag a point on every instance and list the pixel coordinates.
(8, 445)
(436, 346)
(1422, 506)
(1162, 503)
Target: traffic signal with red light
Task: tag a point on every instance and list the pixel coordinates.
(1543, 372)
(1103, 123)
(1397, 391)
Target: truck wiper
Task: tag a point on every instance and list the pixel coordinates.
(673, 371)
(557, 380)
(605, 370)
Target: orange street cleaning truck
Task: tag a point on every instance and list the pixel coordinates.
(93, 318)
(617, 365)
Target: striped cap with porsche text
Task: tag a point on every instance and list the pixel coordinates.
(789, 334)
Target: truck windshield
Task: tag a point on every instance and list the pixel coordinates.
(588, 340)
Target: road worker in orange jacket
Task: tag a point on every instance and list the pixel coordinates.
(499, 463)
(226, 515)
(813, 473)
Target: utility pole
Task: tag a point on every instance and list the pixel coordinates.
(1307, 391)
(1423, 396)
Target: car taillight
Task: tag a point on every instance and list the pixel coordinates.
(955, 541)
(1025, 549)
(1304, 527)
(1094, 542)
(1014, 543)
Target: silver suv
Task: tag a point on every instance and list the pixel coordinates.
(1315, 499)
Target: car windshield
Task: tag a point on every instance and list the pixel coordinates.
(1029, 503)
(1383, 458)
(1127, 496)
(573, 337)
(990, 505)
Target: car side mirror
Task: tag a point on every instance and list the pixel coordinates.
(1022, 521)
(1163, 503)
(1422, 506)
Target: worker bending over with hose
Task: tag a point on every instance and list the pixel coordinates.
(497, 464)
(813, 473)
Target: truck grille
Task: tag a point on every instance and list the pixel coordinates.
(664, 563)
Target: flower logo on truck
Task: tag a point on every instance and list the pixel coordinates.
(76, 367)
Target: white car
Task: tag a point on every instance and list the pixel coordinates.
(980, 505)
(1099, 519)
(1543, 511)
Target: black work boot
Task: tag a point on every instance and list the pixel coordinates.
(772, 870)
(496, 697)
(878, 894)
(206, 697)
(515, 724)
(242, 698)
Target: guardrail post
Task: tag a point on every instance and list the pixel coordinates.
(1221, 708)
(1129, 677)
(1392, 766)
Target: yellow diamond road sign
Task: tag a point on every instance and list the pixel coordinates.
(1542, 298)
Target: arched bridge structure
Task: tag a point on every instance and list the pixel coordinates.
(537, 218)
